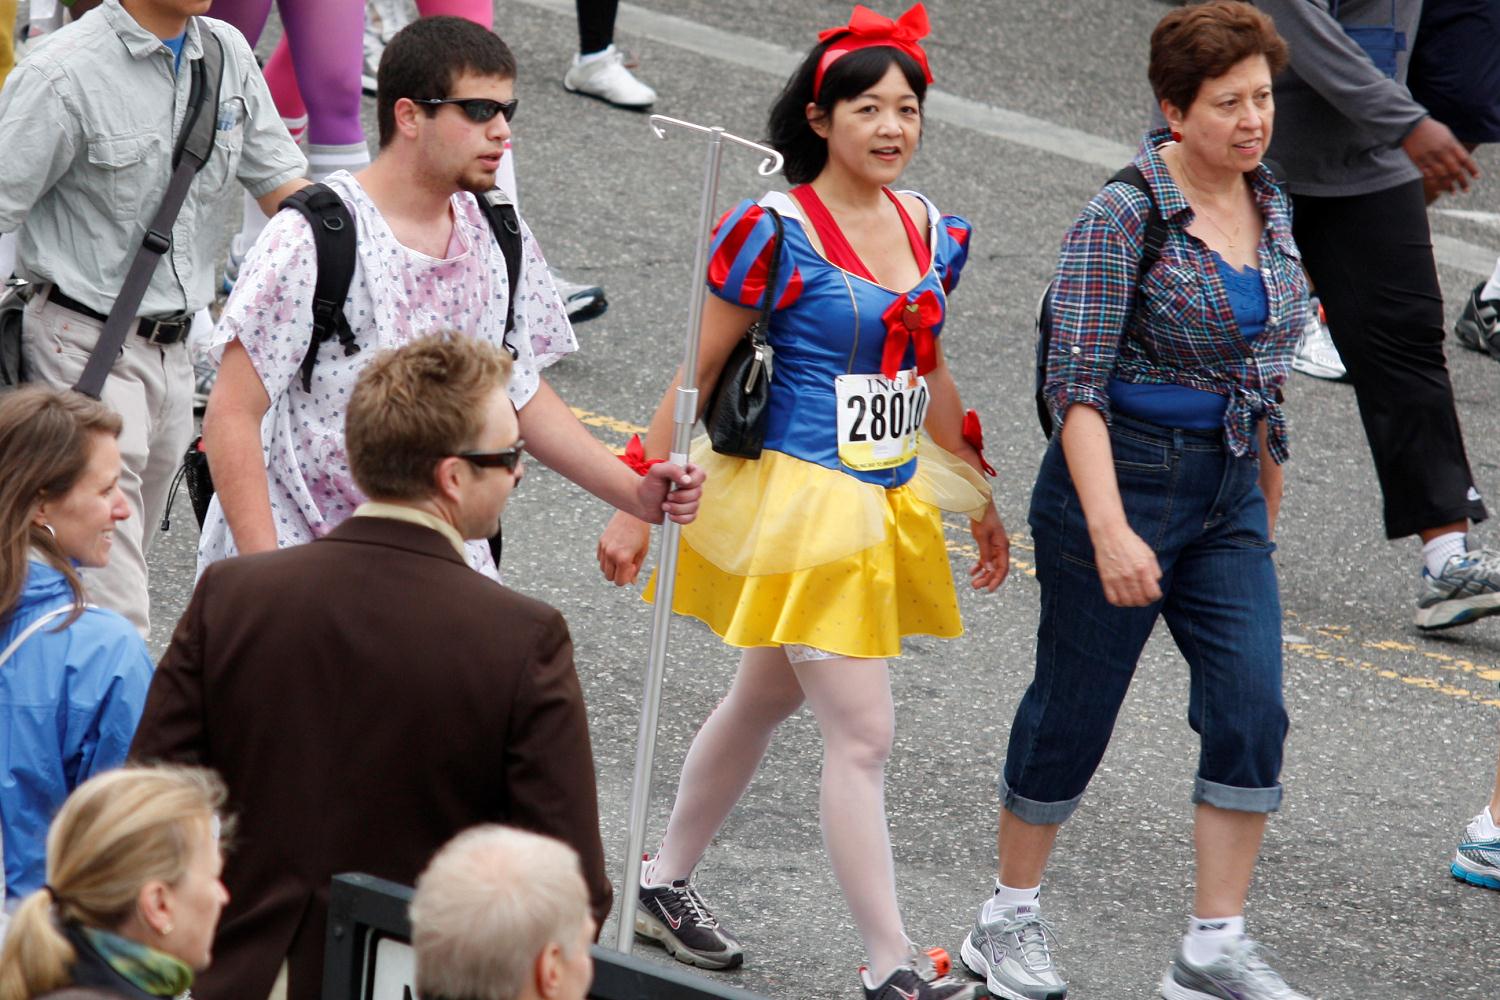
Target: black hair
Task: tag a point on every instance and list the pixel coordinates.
(850, 75)
(427, 56)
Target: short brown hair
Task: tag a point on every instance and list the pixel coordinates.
(46, 438)
(416, 405)
(1204, 40)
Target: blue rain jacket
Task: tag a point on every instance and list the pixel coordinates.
(69, 704)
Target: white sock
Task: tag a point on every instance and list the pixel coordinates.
(1206, 940)
(296, 127)
(1436, 553)
(324, 160)
(1488, 828)
(1014, 900)
(588, 57)
(1491, 290)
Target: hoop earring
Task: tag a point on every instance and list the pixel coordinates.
(49, 530)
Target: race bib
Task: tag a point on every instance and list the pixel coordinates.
(879, 419)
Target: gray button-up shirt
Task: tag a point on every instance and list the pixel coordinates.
(88, 123)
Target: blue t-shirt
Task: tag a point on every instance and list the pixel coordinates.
(175, 44)
(1197, 409)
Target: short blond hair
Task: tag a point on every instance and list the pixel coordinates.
(115, 833)
(486, 906)
(416, 405)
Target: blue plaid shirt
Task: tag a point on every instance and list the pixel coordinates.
(1182, 310)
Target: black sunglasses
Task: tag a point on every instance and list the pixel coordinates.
(479, 109)
(508, 459)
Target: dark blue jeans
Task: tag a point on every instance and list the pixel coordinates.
(1203, 514)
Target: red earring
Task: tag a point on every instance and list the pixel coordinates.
(1176, 136)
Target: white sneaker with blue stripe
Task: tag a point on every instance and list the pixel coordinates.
(1465, 591)
(1477, 860)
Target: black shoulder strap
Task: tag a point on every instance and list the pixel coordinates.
(1156, 226)
(195, 143)
(506, 225)
(334, 240)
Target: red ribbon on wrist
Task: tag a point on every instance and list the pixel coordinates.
(974, 436)
(909, 320)
(635, 456)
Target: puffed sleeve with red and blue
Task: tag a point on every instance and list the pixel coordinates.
(952, 249)
(740, 259)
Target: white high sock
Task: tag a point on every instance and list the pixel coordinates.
(1436, 553)
(324, 160)
(1207, 939)
(1491, 290)
(588, 57)
(1015, 900)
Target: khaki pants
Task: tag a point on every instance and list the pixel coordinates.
(151, 388)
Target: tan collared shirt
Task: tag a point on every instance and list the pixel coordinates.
(396, 512)
(88, 123)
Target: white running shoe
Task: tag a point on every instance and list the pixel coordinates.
(1316, 355)
(607, 78)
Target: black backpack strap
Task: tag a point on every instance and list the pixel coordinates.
(506, 225)
(1152, 243)
(334, 240)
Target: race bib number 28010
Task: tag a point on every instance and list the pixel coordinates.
(879, 419)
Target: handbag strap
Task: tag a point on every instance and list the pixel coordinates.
(759, 328)
(194, 145)
(33, 629)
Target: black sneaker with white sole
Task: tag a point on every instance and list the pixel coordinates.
(1478, 326)
(677, 916)
(906, 983)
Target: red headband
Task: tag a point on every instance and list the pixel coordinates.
(867, 29)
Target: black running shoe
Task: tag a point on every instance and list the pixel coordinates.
(906, 983)
(1478, 327)
(678, 917)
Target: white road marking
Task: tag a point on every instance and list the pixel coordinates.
(1000, 123)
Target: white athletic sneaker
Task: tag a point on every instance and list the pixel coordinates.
(607, 79)
(1316, 355)
(582, 301)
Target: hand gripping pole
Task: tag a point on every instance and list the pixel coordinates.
(684, 415)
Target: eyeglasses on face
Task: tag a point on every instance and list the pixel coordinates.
(479, 109)
(509, 459)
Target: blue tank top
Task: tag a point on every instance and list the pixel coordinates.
(1196, 409)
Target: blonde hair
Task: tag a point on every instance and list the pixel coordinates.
(416, 405)
(46, 439)
(115, 833)
(487, 905)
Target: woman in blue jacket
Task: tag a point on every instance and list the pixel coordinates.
(73, 678)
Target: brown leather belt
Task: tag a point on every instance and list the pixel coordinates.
(157, 331)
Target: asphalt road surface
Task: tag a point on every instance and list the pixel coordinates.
(1393, 734)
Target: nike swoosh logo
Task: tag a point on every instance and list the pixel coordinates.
(676, 924)
(903, 994)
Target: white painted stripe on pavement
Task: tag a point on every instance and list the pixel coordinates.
(1001, 123)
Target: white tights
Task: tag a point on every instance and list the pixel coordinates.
(851, 699)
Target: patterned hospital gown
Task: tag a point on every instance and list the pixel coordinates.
(397, 295)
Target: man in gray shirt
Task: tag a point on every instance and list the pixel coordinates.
(1355, 148)
(88, 124)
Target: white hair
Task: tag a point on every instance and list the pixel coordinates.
(489, 902)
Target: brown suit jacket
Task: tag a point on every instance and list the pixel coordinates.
(365, 697)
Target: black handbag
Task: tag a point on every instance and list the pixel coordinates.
(736, 411)
(13, 294)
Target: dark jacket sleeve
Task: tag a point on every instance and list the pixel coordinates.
(172, 727)
(1336, 67)
(549, 762)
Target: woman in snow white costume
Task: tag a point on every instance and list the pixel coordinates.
(816, 558)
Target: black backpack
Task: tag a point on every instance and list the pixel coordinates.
(1155, 238)
(335, 242)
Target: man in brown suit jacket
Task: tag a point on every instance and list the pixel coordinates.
(368, 695)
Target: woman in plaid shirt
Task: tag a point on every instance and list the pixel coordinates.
(1158, 498)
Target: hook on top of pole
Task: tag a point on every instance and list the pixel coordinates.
(770, 165)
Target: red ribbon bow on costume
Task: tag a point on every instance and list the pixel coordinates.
(867, 28)
(635, 456)
(910, 320)
(974, 435)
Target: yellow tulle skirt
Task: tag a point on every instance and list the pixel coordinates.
(786, 551)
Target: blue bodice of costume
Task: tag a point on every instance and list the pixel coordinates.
(826, 321)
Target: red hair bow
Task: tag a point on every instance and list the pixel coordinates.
(909, 320)
(867, 29)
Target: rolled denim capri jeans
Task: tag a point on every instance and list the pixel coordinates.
(1202, 512)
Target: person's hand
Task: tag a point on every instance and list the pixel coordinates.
(994, 551)
(622, 548)
(1445, 163)
(657, 496)
(1127, 568)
